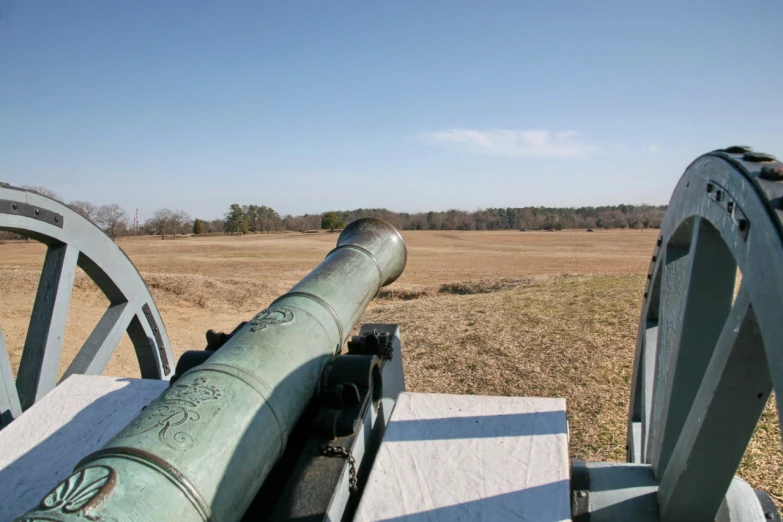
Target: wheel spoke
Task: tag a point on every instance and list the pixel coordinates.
(143, 339)
(100, 345)
(74, 241)
(648, 382)
(721, 422)
(674, 270)
(43, 345)
(704, 282)
(644, 366)
(9, 398)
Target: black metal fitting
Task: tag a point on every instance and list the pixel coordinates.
(737, 149)
(580, 488)
(351, 383)
(217, 339)
(758, 157)
(767, 505)
(193, 358)
(771, 173)
(372, 344)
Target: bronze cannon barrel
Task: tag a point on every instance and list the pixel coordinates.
(202, 450)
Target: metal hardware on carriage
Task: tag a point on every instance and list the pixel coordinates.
(320, 455)
(331, 450)
(192, 358)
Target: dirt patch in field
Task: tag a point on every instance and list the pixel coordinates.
(479, 286)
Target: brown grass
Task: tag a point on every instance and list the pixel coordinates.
(491, 313)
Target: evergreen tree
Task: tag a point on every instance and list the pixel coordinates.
(236, 221)
(330, 221)
(198, 227)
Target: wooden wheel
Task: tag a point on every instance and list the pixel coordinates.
(74, 241)
(707, 357)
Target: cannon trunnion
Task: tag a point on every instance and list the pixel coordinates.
(274, 422)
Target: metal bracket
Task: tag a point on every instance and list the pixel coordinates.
(767, 505)
(31, 211)
(721, 196)
(351, 383)
(158, 339)
(580, 491)
(372, 343)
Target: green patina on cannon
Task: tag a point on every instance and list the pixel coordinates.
(203, 449)
(251, 426)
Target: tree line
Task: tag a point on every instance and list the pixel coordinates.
(244, 219)
(240, 219)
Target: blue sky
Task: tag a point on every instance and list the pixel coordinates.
(413, 106)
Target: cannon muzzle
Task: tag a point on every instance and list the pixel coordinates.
(202, 450)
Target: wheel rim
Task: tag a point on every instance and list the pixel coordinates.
(706, 361)
(75, 241)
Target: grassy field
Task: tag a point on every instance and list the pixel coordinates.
(490, 313)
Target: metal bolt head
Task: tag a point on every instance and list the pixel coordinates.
(581, 494)
(758, 157)
(709, 187)
(738, 149)
(730, 206)
(56, 219)
(37, 211)
(742, 224)
(14, 206)
(772, 172)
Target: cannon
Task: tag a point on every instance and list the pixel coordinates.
(278, 421)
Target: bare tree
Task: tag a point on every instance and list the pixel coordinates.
(167, 222)
(179, 222)
(294, 223)
(49, 193)
(216, 225)
(159, 222)
(312, 221)
(112, 219)
(85, 208)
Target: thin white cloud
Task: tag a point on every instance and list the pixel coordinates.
(654, 147)
(514, 143)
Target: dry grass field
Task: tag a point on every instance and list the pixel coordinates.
(491, 313)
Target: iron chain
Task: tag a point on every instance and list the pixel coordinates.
(339, 451)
